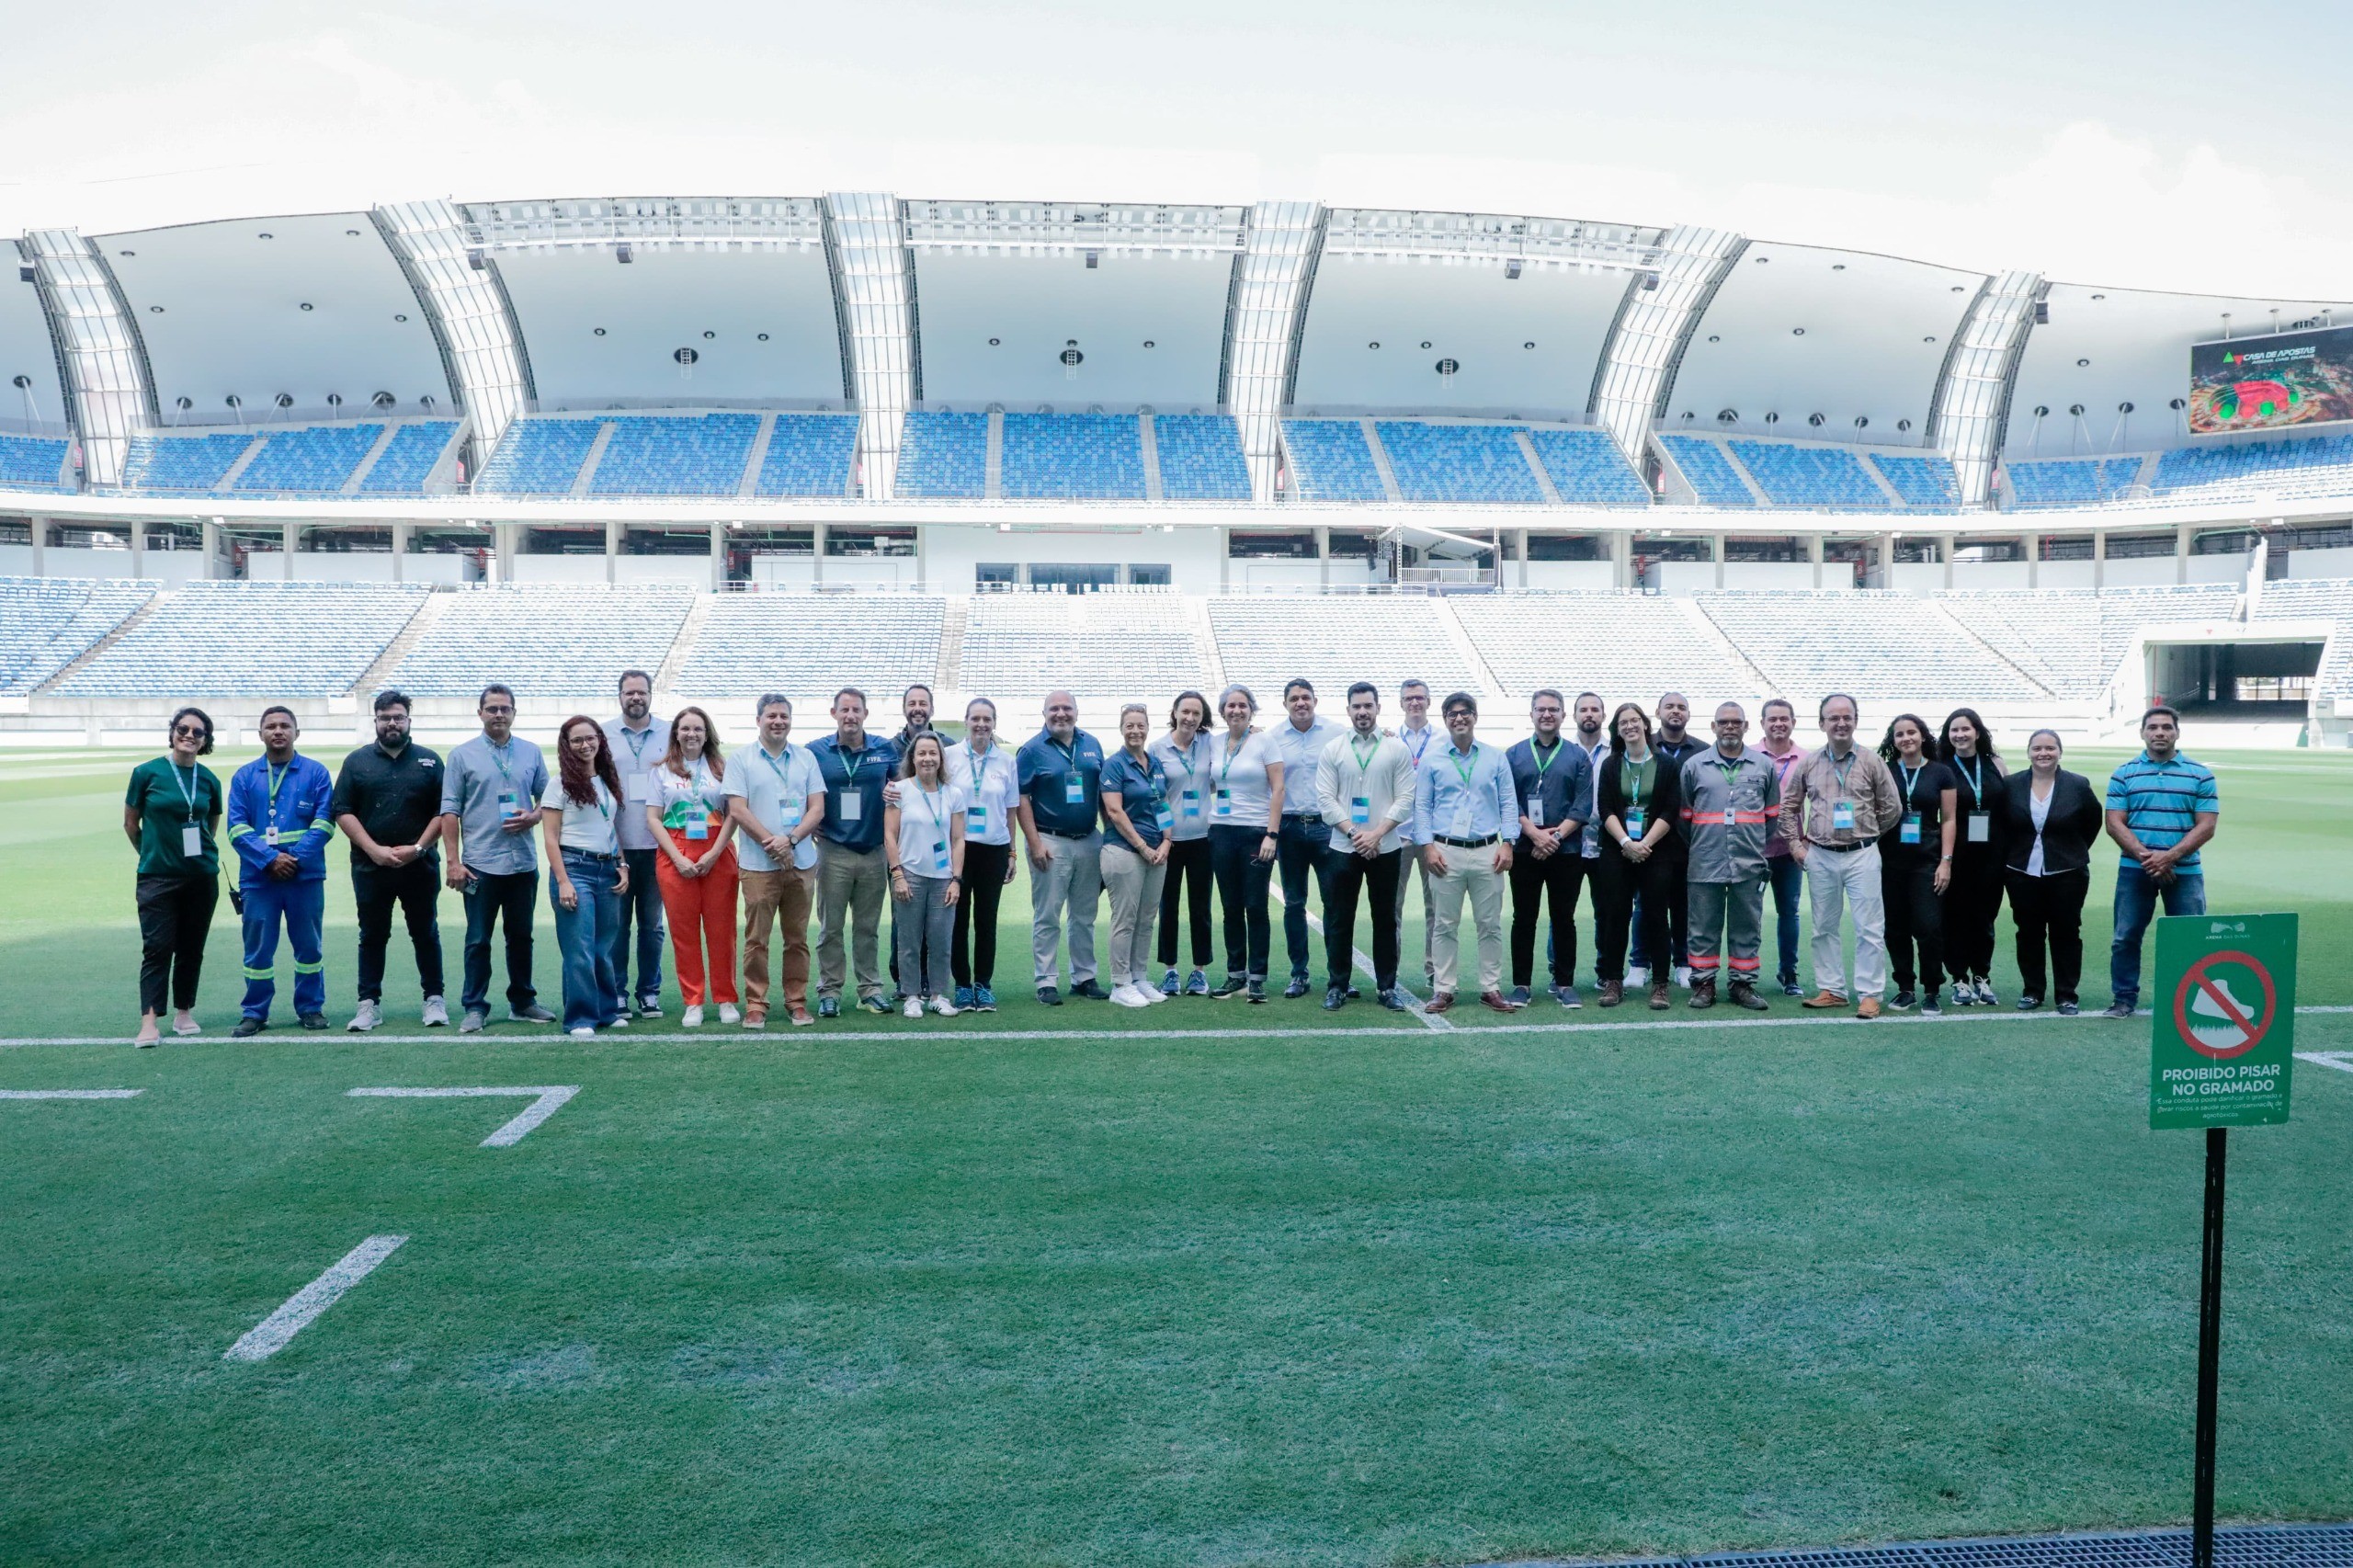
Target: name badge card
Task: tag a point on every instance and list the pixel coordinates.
(269, 835)
(1637, 819)
(1909, 832)
(1191, 802)
(1224, 802)
(698, 827)
(1536, 811)
(940, 856)
(1360, 812)
(1160, 817)
(507, 806)
(1731, 816)
(1073, 789)
(1461, 819)
(1842, 816)
(634, 787)
(1981, 827)
(851, 805)
(191, 841)
(787, 814)
(976, 819)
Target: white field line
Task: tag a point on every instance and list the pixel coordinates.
(2090, 1021)
(550, 1099)
(268, 1338)
(69, 1094)
(2340, 1059)
(1430, 1020)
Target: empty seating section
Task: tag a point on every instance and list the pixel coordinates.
(1709, 471)
(409, 459)
(944, 457)
(1458, 462)
(1587, 469)
(1922, 481)
(1807, 476)
(1264, 640)
(183, 462)
(810, 645)
(1330, 461)
(2317, 598)
(32, 462)
(1073, 457)
(675, 455)
(1875, 645)
(539, 456)
(1629, 647)
(544, 640)
(2072, 481)
(46, 623)
(253, 640)
(2309, 465)
(1138, 645)
(2073, 640)
(1201, 458)
(808, 454)
(316, 460)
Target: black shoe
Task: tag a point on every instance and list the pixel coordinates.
(2117, 1010)
(247, 1028)
(1334, 998)
(1353, 992)
(1257, 991)
(2068, 1009)
(1296, 989)
(1390, 1000)
(2028, 1003)
(1091, 991)
(1904, 1002)
(1050, 996)
(311, 1020)
(531, 1013)
(1230, 986)
(1932, 1002)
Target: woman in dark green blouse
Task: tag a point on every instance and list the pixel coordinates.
(171, 816)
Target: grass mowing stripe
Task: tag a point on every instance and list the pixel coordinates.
(549, 1100)
(271, 1335)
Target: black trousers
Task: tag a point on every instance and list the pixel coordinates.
(1559, 876)
(416, 889)
(1971, 901)
(1676, 908)
(1351, 874)
(175, 918)
(2049, 910)
(1618, 885)
(1242, 882)
(971, 950)
(1189, 868)
(1303, 847)
(1915, 924)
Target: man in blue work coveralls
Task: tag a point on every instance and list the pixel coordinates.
(279, 828)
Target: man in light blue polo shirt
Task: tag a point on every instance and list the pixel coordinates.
(778, 798)
(2161, 808)
(1060, 771)
(852, 879)
(1466, 817)
(1303, 842)
(638, 741)
(491, 789)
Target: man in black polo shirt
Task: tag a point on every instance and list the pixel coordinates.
(388, 802)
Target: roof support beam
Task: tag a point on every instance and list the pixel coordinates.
(107, 381)
(474, 322)
(1264, 311)
(874, 301)
(1656, 323)
(1973, 402)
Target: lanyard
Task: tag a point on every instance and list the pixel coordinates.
(1977, 779)
(932, 797)
(1462, 771)
(1910, 774)
(850, 764)
(1184, 755)
(498, 756)
(1141, 768)
(1069, 754)
(979, 762)
(276, 779)
(1543, 764)
(1839, 765)
(1364, 759)
(775, 763)
(1731, 770)
(1629, 775)
(604, 800)
(1427, 731)
(187, 786)
(1232, 751)
(636, 741)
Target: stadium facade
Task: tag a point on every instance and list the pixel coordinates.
(309, 423)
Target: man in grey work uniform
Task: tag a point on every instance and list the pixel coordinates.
(1731, 803)
(639, 741)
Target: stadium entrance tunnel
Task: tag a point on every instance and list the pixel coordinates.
(2267, 682)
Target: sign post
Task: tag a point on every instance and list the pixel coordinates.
(2221, 1055)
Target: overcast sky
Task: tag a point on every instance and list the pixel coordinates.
(2155, 145)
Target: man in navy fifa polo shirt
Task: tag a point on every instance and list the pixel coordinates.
(1060, 770)
(852, 880)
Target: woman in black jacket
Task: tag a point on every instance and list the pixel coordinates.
(1641, 797)
(2048, 822)
(1975, 897)
(1916, 864)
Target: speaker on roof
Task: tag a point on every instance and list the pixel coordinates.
(475, 259)
(27, 275)
(2043, 312)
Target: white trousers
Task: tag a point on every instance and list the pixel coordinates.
(1469, 873)
(1831, 881)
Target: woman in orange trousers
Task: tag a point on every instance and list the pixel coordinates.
(697, 869)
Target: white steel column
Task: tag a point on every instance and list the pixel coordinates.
(1269, 297)
(482, 348)
(1972, 400)
(105, 364)
(1646, 345)
(874, 298)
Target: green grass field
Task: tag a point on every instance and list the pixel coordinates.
(1210, 1284)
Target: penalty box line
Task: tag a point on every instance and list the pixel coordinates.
(550, 1099)
(71, 1094)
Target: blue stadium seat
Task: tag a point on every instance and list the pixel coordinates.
(1201, 458)
(251, 640)
(158, 462)
(684, 454)
(1475, 463)
(1710, 473)
(32, 462)
(1330, 461)
(1808, 476)
(1926, 482)
(1089, 457)
(2314, 464)
(409, 459)
(1587, 469)
(539, 457)
(944, 456)
(318, 460)
(810, 454)
(46, 623)
(2075, 481)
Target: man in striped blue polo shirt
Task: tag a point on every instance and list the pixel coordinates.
(2161, 808)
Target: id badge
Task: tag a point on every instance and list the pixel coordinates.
(633, 789)
(506, 806)
(850, 804)
(1360, 812)
(1732, 817)
(1225, 802)
(1637, 819)
(1981, 827)
(788, 816)
(1075, 789)
(1536, 811)
(1842, 816)
(940, 856)
(699, 828)
(1161, 819)
(191, 842)
(1910, 832)
(1462, 819)
(1192, 803)
(269, 835)
(976, 819)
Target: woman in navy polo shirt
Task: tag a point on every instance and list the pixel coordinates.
(1136, 821)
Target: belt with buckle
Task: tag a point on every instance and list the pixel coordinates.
(1467, 843)
(1840, 849)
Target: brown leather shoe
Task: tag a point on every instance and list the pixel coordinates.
(1868, 1008)
(1613, 991)
(1659, 1003)
(1493, 1001)
(1703, 993)
(1744, 994)
(755, 1018)
(800, 1015)
(1822, 1001)
(1440, 1003)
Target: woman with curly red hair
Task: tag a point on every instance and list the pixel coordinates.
(588, 875)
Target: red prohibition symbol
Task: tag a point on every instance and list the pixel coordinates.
(2249, 1031)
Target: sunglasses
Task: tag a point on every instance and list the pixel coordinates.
(195, 730)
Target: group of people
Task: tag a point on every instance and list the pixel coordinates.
(653, 834)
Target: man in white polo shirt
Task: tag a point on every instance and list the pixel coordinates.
(778, 801)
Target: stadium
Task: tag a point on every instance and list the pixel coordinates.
(1210, 1284)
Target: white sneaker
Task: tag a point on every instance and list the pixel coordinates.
(437, 1013)
(730, 1014)
(1128, 996)
(1683, 976)
(914, 1008)
(943, 1006)
(1637, 976)
(691, 1018)
(369, 1017)
(620, 1023)
(583, 1032)
(1153, 994)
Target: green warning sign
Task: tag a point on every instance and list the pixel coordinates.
(2223, 1031)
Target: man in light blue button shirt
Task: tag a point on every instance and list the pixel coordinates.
(638, 741)
(1303, 841)
(1466, 816)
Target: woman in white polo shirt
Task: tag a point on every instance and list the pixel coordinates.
(587, 875)
(985, 771)
(1245, 802)
(1185, 753)
(923, 842)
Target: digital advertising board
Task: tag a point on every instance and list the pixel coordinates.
(2271, 382)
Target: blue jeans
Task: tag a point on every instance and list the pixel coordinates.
(641, 909)
(2136, 905)
(1788, 879)
(499, 899)
(1304, 845)
(303, 906)
(592, 988)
